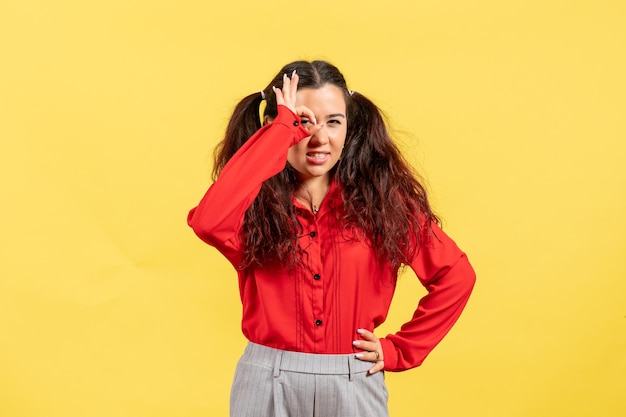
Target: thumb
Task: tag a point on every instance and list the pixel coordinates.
(303, 111)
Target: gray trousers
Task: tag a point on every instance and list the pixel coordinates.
(278, 383)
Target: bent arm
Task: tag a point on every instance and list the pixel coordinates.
(220, 214)
(447, 275)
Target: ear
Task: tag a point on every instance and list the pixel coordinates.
(267, 120)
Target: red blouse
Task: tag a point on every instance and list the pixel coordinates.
(318, 308)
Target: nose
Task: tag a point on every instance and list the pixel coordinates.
(319, 134)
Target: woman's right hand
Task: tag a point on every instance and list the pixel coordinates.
(287, 97)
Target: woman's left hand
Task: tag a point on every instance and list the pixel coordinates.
(372, 350)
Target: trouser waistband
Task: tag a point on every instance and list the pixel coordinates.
(309, 363)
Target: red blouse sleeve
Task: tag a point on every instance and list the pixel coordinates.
(218, 217)
(447, 275)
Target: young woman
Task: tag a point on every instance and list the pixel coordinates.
(317, 210)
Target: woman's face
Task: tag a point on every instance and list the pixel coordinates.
(313, 157)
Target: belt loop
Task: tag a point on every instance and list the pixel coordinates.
(277, 362)
(350, 368)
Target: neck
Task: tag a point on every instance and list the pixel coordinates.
(312, 192)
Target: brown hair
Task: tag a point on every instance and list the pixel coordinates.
(382, 196)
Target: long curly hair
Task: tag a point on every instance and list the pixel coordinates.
(382, 195)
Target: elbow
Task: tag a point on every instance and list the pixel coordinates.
(192, 220)
(459, 278)
(468, 275)
(203, 228)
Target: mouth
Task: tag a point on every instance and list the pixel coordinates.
(317, 158)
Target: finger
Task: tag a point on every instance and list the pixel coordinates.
(367, 346)
(367, 335)
(380, 365)
(289, 93)
(286, 89)
(369, 356)
(279, 96)
(293, 86)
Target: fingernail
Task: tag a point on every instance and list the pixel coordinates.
(356, 343)
(358, 355)
(360, 331)
(293, 73)
(314, 120)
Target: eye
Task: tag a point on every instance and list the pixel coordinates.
(305, 121)
(335, 122)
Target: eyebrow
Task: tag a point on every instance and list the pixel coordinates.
(330, 116)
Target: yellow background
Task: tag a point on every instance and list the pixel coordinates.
(109, 110)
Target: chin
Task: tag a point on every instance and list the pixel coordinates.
(319, 173)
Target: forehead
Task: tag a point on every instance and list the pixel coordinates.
(327, 99)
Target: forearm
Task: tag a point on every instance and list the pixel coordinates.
(219, 215)
(436, 314)
(446, 273)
